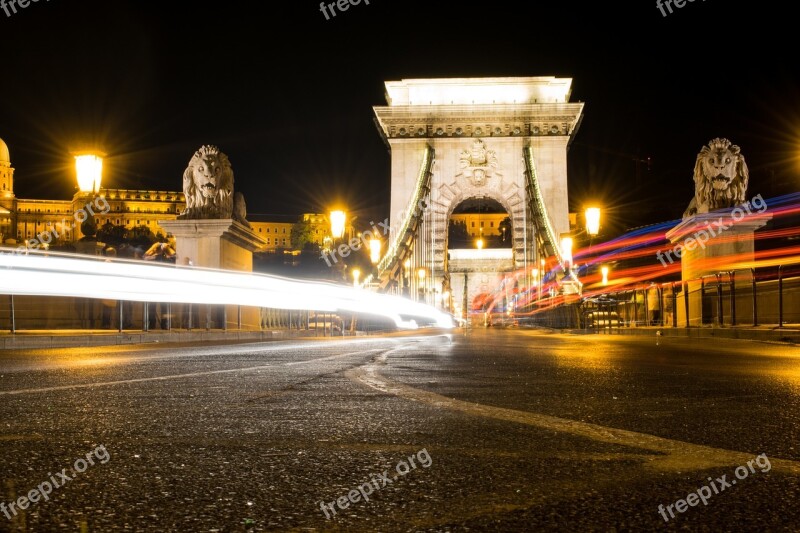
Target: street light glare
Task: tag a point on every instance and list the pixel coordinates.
(604, 272)
(89, 169)
(375, 250)
(566, 250)
(593, 221)
(338, 219)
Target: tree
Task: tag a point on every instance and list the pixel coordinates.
(457, 234)
(112, 234)
(302, 236)
(505, 230)
(141, 236)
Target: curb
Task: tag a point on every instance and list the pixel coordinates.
(22, 341)
(789, 336)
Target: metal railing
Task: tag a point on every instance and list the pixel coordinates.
(767, 297)
(723, 299)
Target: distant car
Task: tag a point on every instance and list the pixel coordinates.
(603, 319)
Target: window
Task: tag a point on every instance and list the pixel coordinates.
(267, 241)
(284, 231)
(259, 230)
(481, 223)
(491, 224)
(473, 223)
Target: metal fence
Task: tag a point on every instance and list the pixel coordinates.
(732, 298)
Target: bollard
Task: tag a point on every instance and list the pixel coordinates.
(674, 307)
(13, 316)
(755, 297)
(780, 296)
(732, 275)
(686, 300)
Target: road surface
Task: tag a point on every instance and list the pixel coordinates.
(483, 430)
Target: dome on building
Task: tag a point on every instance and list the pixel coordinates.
(5, 157)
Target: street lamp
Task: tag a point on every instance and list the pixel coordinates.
(421, 276)
(89, 170)
(566, 251)
(356, 275)
(593, 221)
(337, 219)
(479, 243)
(604, 272)
(374, 250)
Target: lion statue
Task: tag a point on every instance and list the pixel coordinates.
(208, 187)
(720, 178)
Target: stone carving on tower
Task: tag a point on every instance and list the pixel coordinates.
(208, 187)
(478, 164)
(720, 178)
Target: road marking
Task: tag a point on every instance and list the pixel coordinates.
(181, 376)
(670, 454)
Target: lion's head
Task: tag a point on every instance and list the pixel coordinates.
(720, 177)
(208, 185)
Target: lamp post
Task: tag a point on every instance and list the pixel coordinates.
(566, 251)
(337, 220)
(89, 174)
(592, 215)
(604, 272)
(375, 250)
(89, 171)
(356, 276)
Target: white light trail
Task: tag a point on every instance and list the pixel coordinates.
(61, 275)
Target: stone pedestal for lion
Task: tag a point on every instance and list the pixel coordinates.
(217, 243)
(713, 243)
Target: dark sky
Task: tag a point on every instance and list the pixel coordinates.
(288, 95)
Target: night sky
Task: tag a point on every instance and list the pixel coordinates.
(288, 95)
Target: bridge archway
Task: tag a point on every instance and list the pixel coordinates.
(502, 139)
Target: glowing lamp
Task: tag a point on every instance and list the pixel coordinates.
(566, 250)
(338, 219)
(593, 221)
(89, 169)
(356, 275)
(604, 272)
(421, 273)
(374, 250)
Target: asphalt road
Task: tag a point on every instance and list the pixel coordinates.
(484, 430)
